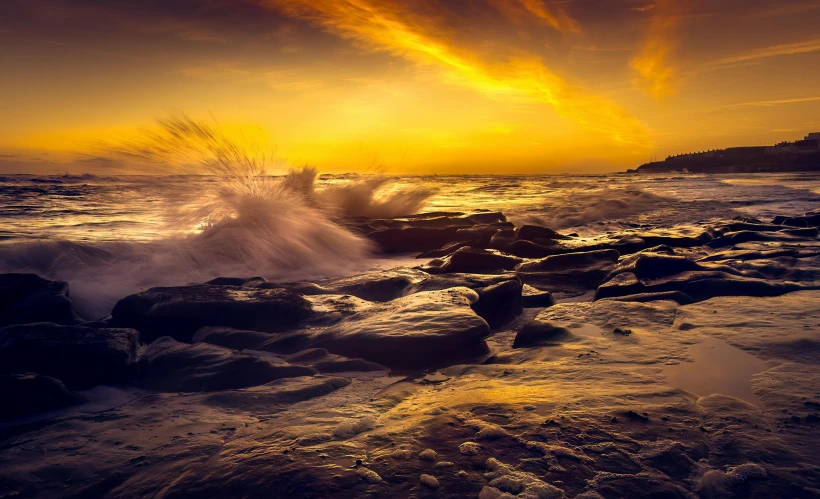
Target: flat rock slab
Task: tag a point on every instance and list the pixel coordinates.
(27, 298)
(29, 393)
(180, 311)
(168, 365)
(79, 356)
(412, 331)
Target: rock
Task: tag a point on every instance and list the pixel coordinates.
(250, 282)
(427, 455)
(27, 298)
(571, 261)
(403, 240)
(676, 296)
(469, 449)
(540, 332)
(472, 260)
(500, 303)
(326, 362)
(378, 286)
(79, 356)
(30, 393)
(167, 365)
(697, 285)
(535, 233)
(236, 339)
(369, 475)
(535, 298)
(429, 481)
(180, 311)
(526, 249)
(415, 330)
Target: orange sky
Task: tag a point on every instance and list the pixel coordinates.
(411, 86)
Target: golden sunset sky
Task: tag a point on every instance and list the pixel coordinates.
(411, 86)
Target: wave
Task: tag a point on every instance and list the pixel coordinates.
(579, 208)
(245, 221)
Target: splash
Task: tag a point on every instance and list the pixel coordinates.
(245, 220)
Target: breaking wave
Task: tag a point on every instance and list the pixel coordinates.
(247, 221)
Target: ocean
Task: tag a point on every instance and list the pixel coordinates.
(113, 235)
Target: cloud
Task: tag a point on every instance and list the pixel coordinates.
(419, 32)
(645, 8)
(803, 47)
(771, 103)
(653, 62)
(551, 16)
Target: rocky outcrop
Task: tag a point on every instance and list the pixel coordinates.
(472, 260)
(29, 393)
(79, 356)
(417, 330)
(168, 365)
(180, 311)
(27, 298)
(500, 303)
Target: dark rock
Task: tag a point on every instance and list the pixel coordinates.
(445, 250)
(30, 393)
(168, 365)
(237, 339)
(571, 261)
(676, 296)
(378, 286)
(27, 298)
(326, 362)
(79, 356)
(403, 240)
(535, 233)
(526, 249)
(536, 298)
(237, 281)
(416, 330)
(500, 303)
(697, 285)
(540, 332)
(180, 311)
(472, 260)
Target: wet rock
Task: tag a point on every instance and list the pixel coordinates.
(378, 286)
(250, 282)
(537, 234)
(403, 240)
(540, 332)
(416, 330)
(472, 260)
(79, 356)
(535, 298)
(429, 481)
(180, 311)
(676, 296)
(168, 365)
(281, 392)
(697, 285)
(31, 393)
(369, 475)
(27, 298)
(500, 303)
(237, 339)
(427, 455)
(526, 249)
(571, 261)
(327, 363)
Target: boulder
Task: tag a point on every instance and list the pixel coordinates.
(408, 239)
(699, 285)
(168, 365)
(29, 393)
(27, 298)
(540, 332)
(79, 356)
(378, 286)
(180, 311)
(236, 339)
(500, 303)
(537, 233)
(535, 298)
(327, 363)
(421, 329)
(472, 260)
(565, 261)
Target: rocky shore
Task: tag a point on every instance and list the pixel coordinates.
(511, 362)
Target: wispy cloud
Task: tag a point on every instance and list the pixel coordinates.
(653, 63)
(555, 17)
(803, 47)
(771, 103)
(645, 8)
(419, 35)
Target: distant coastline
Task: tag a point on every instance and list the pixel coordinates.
(798, 156)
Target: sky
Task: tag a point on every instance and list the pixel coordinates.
(410, 86)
